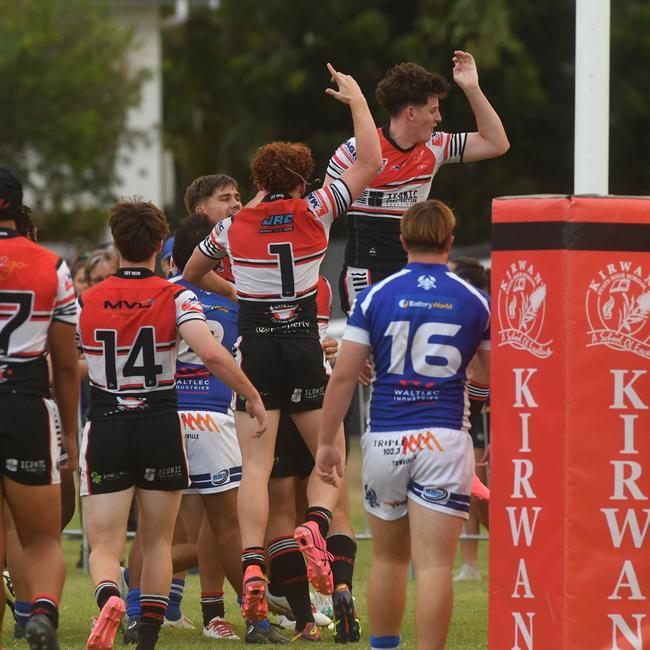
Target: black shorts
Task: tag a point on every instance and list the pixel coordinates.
(288, 372)
(147, 452)
(29, 440)
(292, 456)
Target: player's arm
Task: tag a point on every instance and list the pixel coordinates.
(491, 139)
(65, 379)
(368, 148)
(198, 271)
(220, 363)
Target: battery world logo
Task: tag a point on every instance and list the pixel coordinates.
(522, 308)
(617, 305)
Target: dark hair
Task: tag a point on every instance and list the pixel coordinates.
(409, 84)
(204, 187)
(138, 228)
(11, 203)
(190, 231)
(282, 166)
(470, 269)
(427, 226)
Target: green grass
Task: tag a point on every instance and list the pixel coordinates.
(468, 628)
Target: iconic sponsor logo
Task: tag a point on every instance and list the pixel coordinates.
(434, 494)
(521, 309)
(198, 420)
(278, 220)
(220, 478)
(420, 442)
(163, 473)
(296, 396)
(126, 304)
(8, 266)
(404, 198)
(426, 282)
(370, 496)
(150, 474)
(11, 464)
(618, 308)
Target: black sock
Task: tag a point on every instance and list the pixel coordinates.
(47, 606)
(104, 590)
(253, 555)
(212, 606)
(322, 517)
(344, 550)
(153, 607)
(290, 573)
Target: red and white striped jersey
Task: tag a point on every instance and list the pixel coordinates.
(128, 330)
(276, 249)
(35, 288)
(404, 179)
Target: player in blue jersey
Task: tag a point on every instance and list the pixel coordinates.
(423, 325)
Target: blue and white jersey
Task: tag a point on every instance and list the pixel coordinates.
(424, 325)
(197, 388)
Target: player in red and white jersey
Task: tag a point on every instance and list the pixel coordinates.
(37, 317)
(412, 153)
(276, 245)
(133, 444)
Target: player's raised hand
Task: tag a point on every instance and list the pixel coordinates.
(348, 88)
(329, 466)
(255, 409)
(465, 72)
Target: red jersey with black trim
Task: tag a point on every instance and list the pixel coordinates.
(276, 249)
(404, 179)
(128, 330)
(35, 289)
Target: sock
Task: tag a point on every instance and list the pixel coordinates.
(212, 605)
(44, 604)
(253, 555)
(153, 608)
(126, 575)
(175, 597)
(322, 517)
(478, 395)
(133, 603)
(344, 550)
(384, 642)
(22, 610)
(288, 569)
(104, 590)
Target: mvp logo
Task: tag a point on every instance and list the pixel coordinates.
(125, 304)
(278, 220)
(419, 442)
(201, 421)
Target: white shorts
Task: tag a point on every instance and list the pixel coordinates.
(433, 467)
(212, 451)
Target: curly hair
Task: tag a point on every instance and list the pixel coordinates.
(282, 166)
(409, 84)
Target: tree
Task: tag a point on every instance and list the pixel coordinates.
(66, 92)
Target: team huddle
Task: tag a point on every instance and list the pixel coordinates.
(216, 399)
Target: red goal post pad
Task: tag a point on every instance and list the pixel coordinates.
(570, 405)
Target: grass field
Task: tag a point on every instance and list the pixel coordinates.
(468, 629)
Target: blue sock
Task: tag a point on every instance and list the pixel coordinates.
(175, 597)
(384, 642)
(133, 602)
(22, 610)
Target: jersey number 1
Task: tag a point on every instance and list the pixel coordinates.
(284, 253)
